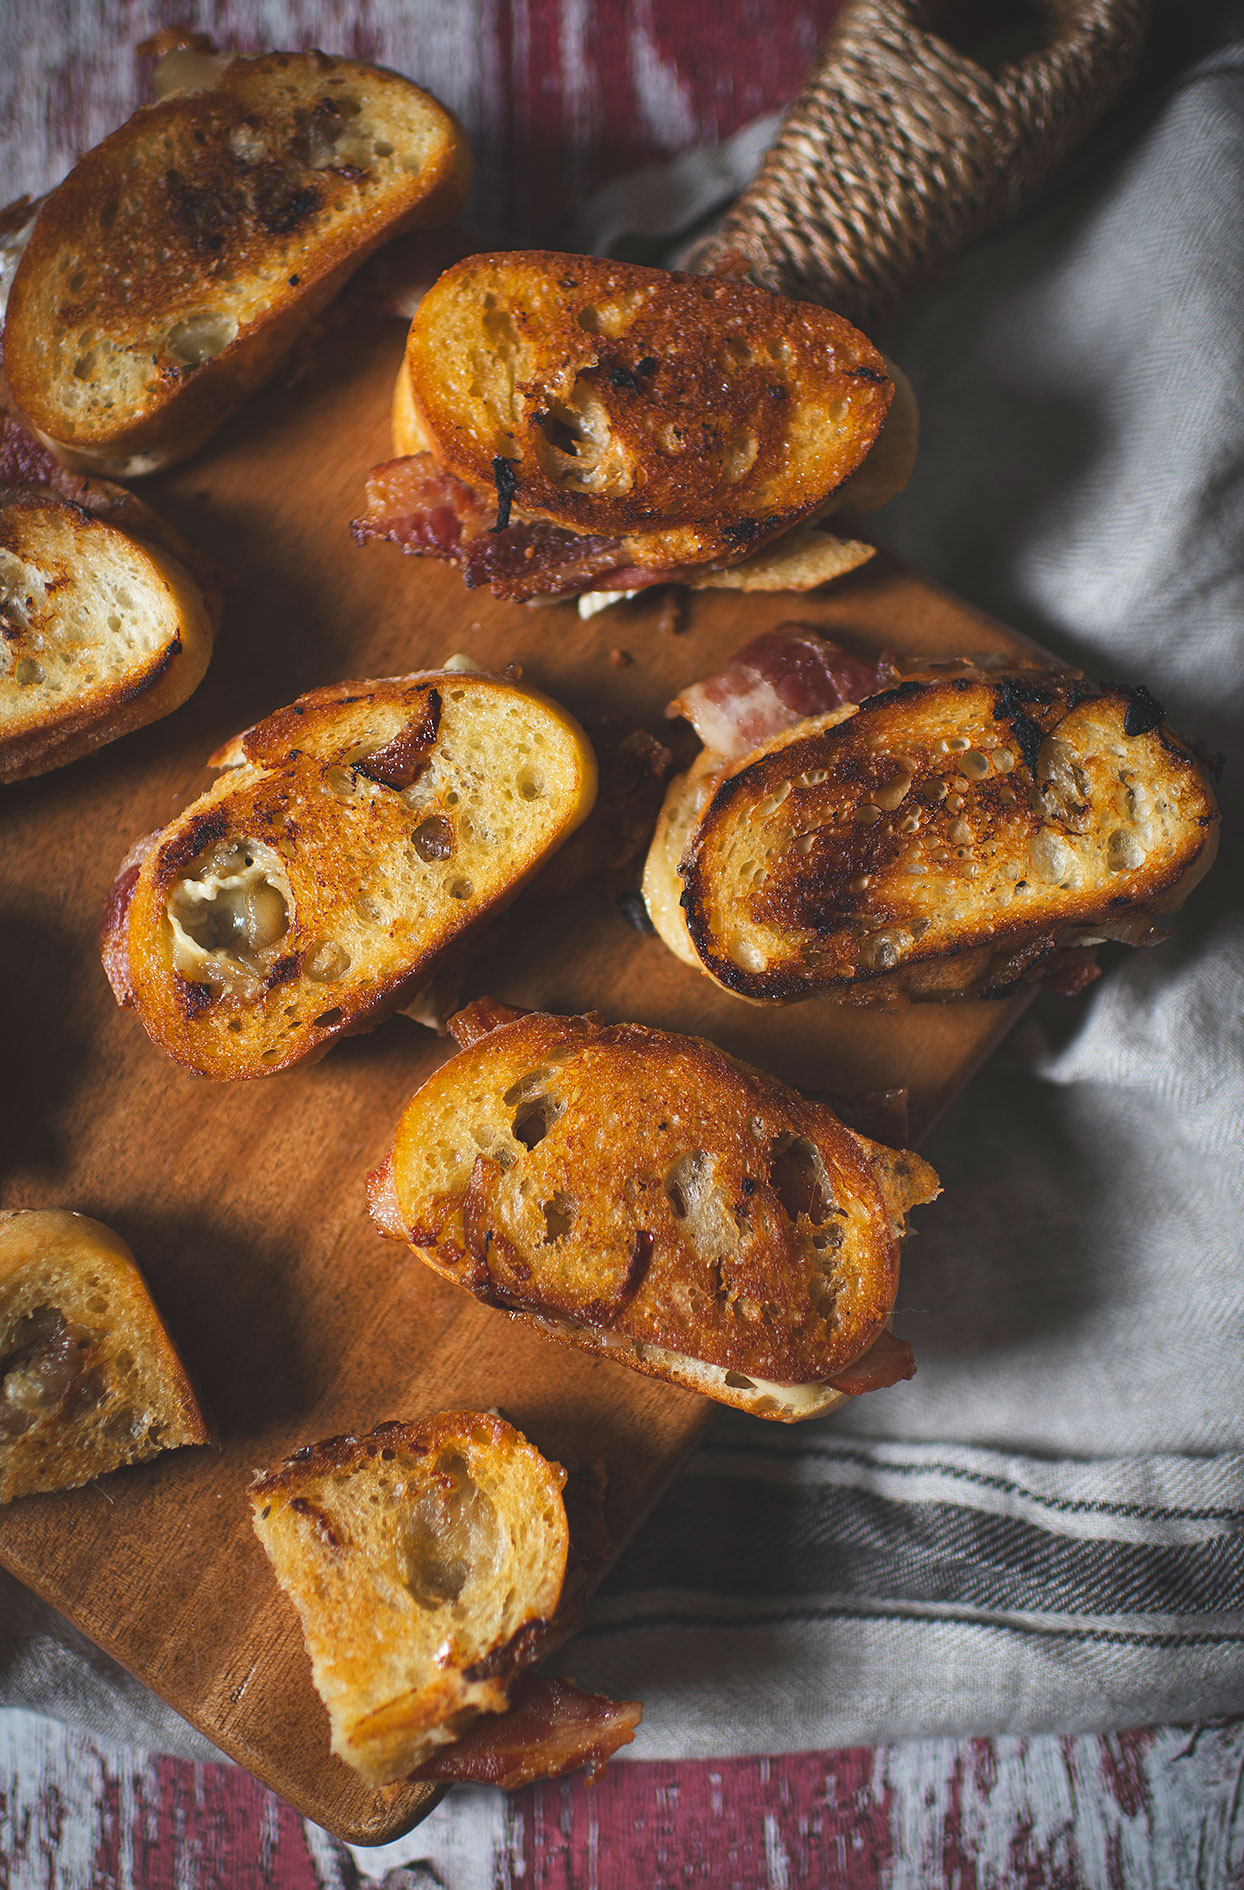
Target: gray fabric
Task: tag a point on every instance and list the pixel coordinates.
(1042, 1530)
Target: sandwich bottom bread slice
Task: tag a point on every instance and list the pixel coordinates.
(89, 1379)
(353, 840)
(101, 632)
(643, 1196)
(868, 837)
(431, 1564)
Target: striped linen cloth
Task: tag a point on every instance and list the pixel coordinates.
(797, 1589)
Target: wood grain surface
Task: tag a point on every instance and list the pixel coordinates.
(245, 1203)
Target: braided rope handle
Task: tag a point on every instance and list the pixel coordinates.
(901, 149)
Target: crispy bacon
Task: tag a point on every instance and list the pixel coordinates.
(1075, 967)
(430, 513)
(1073, 974)
(887, 1361)
(24, 461)
(775, 681)
(551, 1728)
(536, 560)
(480, 1018)
(421, 507)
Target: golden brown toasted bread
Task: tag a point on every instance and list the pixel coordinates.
(949, 837)
(89, 1379)
(692, 417)
(100, 632)
(643, 1196)
(427, 1562)
(352, 841)
(572, 425)
(176, 264)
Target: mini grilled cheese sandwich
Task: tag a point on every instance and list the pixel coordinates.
(102, 628)
(352, 841)
(175, 266)
(643, 1196)
(432, 1564)
(89, 1379)
(953, 833)
(574, 427)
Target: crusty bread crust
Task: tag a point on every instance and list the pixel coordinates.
(643, 1194)
(695, 419)
(102, 632)
(427, 1563)
(353, 839)
(952, 837)
(89, 1379)
(177, 263)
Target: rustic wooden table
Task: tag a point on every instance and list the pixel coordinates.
(559, 95)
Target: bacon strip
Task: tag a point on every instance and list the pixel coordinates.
(430, 513)
(551, 1728)
(775, 681)
(538, 560)
(480, 1018)
(1069, 979)
(887, 1361)
(25, 462)
(420, 507)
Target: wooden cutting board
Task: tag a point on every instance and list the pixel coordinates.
(245, 1205)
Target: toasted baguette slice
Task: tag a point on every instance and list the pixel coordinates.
(950, 837)
(427, 1563)
(99, 633)
(643, 1196)
(352, 841)
(174, 267)
(693, 419)
(89, 1379)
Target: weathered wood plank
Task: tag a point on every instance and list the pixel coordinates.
(557, 95)
(1152, 1810)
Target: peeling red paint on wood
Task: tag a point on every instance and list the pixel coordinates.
(974, 1814)
(1122, 1768)
(558, 95)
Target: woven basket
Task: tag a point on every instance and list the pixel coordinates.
(901, 148)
